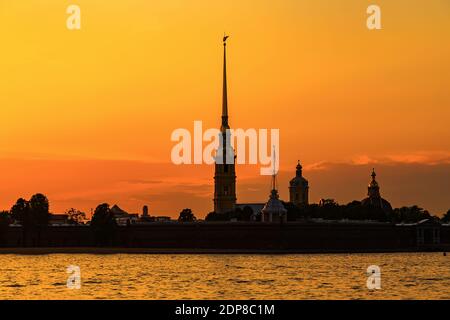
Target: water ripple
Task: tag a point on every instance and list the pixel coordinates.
(327, 276)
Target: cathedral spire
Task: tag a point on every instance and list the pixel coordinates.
(225, 174)
(224, 93)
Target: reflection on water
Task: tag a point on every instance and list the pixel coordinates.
(208, 276)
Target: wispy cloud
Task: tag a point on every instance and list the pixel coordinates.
(422, 157)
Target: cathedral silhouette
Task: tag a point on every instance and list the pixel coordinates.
(273, 210)
(225, 172)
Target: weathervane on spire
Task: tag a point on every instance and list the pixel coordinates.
(225, 37)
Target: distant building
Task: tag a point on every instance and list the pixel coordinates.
(327, 202)
(122, 217)
(374, 198)
(298, 188)
(118, 212)
(153, 219)
(163, 219)
(58, 219)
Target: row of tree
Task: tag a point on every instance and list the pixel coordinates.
(30, 213)
(355, 210)
(331, 210)
(238, 214)
(35, 212)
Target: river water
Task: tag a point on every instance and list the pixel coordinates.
(210, 276)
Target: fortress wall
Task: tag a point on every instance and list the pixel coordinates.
(445, 234)
(252, 236)
(271, 236)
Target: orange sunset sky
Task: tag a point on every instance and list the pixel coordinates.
(86, 115)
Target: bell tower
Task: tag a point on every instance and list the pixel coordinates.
(298, 188)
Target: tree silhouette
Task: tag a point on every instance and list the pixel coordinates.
(212, 216)
(329, 209)
(446, 217)
(5, 220)
(247, 213)
(186, 215)
(39, 209)
(354, 211)
(238, 214)
(33, 215)
(411, 214)
(20, 211)
(293, 211)
(103, 225)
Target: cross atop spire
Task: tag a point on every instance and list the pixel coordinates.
(225, 125)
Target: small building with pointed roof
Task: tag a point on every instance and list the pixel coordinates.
(274, 210)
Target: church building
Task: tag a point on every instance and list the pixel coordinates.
(274, 210)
